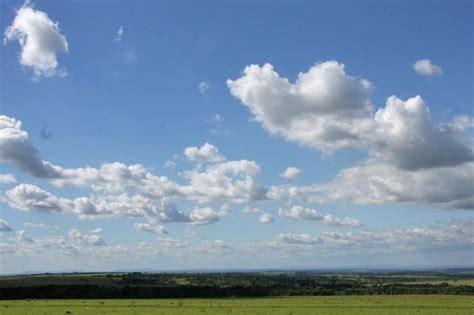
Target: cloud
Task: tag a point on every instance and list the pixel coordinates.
(16, 148)
(325, 108)
(205, 154)
(203, 87)
(406, 136)
(169, 164)
(39, 225)
(225, 182)
(147, 227)
(201, 216)
(6, 179)
(217, 119)
(426, 68)
(291, 172)
(377, 183)
(266, 218)
(300, 213)
(90, 238)
(291, 238)
(40, 39)
(118, 38)
(329, 219)
(4, 226)
(31, 198)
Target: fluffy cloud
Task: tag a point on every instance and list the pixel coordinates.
(40, 39)
(325, 108)
(205, 154)
(406, 136)
(4, 227)
(91, 238)
(201, 216)
(16, 148)
(226, 182)
(380, 183)
(300, 213)
(291, 172)
(31, 198)
(7, 179)
(446, 187)
(147, 227)
(426, 68)
(266, 218)
(329, 219)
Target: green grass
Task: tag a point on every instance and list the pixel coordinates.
(334, 305)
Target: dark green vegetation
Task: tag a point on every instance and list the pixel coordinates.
(234, 284)
(324, 305)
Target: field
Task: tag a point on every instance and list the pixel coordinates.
(399, 305)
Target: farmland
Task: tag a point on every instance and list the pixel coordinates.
(333, 305)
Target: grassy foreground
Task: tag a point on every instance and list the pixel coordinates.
(402, 304)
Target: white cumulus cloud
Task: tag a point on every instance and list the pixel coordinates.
(426, 68)
(205, 154)
(40, 39)
(291, 172)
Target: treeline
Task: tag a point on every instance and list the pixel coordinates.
(188, 291)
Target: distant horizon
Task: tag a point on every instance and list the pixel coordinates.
(361, 269)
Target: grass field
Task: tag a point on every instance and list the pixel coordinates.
(334, 305)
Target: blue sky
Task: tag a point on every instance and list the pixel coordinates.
(121, 83)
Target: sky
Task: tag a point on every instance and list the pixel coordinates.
(158, 135)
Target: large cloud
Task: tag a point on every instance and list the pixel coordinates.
(325, 108)
(16, 148)
(32, 198)
(380, 183)
(406, 136)
(40, 39)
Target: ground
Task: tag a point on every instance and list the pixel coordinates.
(333, 305)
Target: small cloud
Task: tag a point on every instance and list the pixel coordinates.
(291, 172)
(217, 119)
(119, 34)
(203, 87)
(7, 179)
(169, 164)
(266, 218)
(426, 68)
(146, 227)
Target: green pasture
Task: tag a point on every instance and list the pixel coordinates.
(334, 305)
